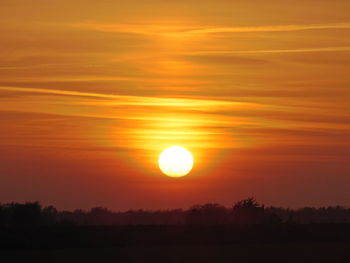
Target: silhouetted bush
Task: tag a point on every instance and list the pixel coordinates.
(15, 214)
(207, 214)
(247, 211)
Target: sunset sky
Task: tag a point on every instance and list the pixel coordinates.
(92, 91)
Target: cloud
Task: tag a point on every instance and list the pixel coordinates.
(128, 100)
(267, 51)
(183, 30)
(227, 60)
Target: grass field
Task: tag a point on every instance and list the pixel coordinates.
(284, 253)
(226, 243)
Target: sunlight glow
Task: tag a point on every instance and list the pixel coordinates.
(175, 161)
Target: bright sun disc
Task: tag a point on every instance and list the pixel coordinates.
(175, 161)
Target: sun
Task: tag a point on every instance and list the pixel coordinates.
(175, 161)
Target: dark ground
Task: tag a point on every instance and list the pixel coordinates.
(240, 253)
(275, 243)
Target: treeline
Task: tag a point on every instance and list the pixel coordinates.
(247, 211)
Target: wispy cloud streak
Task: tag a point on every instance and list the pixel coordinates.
(263, 51)
(169, 30)
(128, 100)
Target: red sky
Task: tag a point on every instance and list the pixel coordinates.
(92, 91)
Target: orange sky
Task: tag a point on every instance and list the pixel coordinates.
(92, 91)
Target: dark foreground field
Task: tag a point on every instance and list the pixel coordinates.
(245, 253)
(278, 243)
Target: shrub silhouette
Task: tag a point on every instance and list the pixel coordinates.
(28, 214)
(247, 211)
(207, 214)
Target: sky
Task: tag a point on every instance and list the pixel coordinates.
(92, 91)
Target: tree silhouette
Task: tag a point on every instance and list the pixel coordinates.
(28, 214)
(49, 215)
(247, 211)
(207, 214)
